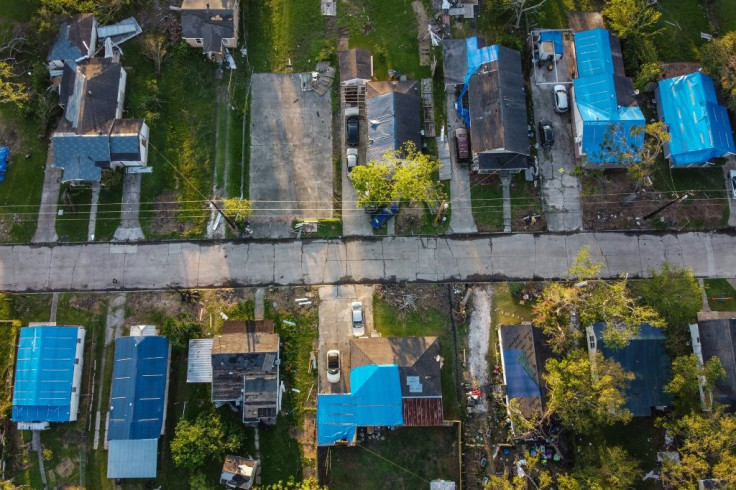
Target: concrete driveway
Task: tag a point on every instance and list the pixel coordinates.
(355, 221)
(291, 167)
(560, 189)
(335, 329)
(461, 219)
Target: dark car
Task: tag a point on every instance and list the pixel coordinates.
(384, 215)
(546, 134)
(463, 144)
(352, 126)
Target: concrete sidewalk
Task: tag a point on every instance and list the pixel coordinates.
(111, 266)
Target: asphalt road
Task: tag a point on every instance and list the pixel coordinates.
(110, 266)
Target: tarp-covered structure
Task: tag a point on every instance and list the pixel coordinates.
(374, 400)
(48, 374)
(137, 406)
(608, 124)
(393, 114)
(4, 154)
(698, 125)
(644, 356)
(554, 37)
(519, 361)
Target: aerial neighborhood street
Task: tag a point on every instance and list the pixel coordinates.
(312, 244)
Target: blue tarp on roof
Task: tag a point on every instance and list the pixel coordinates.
(138, 387)
(607, 123)
(520, 377)
(555, 37)
(4, 154)
(699, 127)
(476, 58)
(375, 400)
(44, 373)
(645, 356)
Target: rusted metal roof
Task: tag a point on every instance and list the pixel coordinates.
(420, 412)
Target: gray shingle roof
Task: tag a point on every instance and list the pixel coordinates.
(77, 155)
(72, 36)
(211, 23)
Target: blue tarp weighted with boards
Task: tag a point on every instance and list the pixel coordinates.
(699, 127)
(476, 58)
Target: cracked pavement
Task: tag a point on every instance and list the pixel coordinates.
(111, 266)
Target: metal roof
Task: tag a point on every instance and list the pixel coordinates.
(120, 32)
(375, 401)
(199, 362)
(646, 357)
(48, 372)
(699, 127)
(138, 394)
(132, 458)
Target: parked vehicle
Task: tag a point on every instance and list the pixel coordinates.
(352, 126)
(561, 103)
(356, 309)
(463, 144)
(546, 134)
(732, 179)
(333, 366)
(352, 158)
(380, 219)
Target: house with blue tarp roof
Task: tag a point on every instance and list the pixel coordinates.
(608, 125)
(137, 405)
(48, 375)
(644, 356)
(520, 361)
(374, 400)
(698, 125)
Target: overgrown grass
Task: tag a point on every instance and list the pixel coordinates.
(326, 228)
(182, 136)
(74, 203)
(391, 322)
(408, 457)
(506, 309)
(18, 10)
(24, 178)
(721, 295)
(283, 30)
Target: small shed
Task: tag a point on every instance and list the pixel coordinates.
(356, 66)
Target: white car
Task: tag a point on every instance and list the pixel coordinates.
(561, 104)
(357, 314)
(333, 366)
(732, 180)
(352, 158)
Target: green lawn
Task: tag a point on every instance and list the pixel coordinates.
(506, 309)
(679, 42)
(725, 12)
(389, 31)
(486, 197)
(409, 457)
(721, 295)
(427, 322)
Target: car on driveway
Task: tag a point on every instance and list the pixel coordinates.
(561, 102)
(333, 366)
(463, 144)
(352, 158)
(352, 126)
(382, 217)
(732, 180)
(356, 310)
(546, 134)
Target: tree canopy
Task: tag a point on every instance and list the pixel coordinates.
(406, 174)
(687, 374)
(585, 398)
(565, 307)
(630, 18)
(706, 450)
(719, 61)
(199, 442)
(237, 209)
(10, 90)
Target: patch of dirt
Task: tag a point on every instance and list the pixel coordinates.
(285, 298)
(612, 202)
(425, 44)
(423, 296)
(149, 307)
(65, 468)
(167, 210)
(583, 21)
(86, 302)
(409, 221)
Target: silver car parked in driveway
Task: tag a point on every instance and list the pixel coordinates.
(357, 316)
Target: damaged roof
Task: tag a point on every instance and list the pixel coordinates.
(210, 20)
(74, 38)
